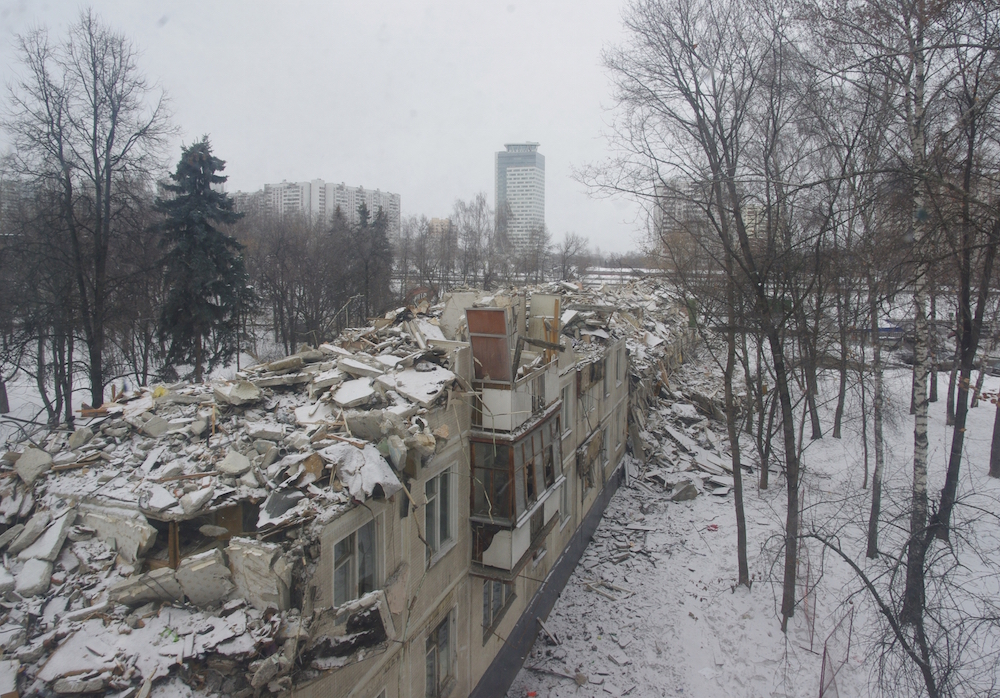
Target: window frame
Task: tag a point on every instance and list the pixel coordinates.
(437, 546)
(442, 685)
(352, 561)
(567, 406)
(496, 612)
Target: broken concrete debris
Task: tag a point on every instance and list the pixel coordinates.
(176, 529)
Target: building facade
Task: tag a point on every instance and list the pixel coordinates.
(520, 192)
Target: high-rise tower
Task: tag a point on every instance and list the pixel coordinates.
(520, 191)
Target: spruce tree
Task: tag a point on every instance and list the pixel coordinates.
(204, 267)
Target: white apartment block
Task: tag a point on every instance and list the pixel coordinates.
(520, 191)
(318, 200)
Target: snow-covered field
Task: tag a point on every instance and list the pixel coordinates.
(670, 623)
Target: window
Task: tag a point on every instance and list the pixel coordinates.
(564, 512)
(438, 523)
(440, 670)
(354, 563)
(491, 493)
(567, 405)
(605, 451)
(607, 388)
(497, 596)
(619, 365)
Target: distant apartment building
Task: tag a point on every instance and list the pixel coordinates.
(520, 191)
(318, 200)
(440, 227)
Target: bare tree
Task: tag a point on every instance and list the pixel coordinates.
(571, 256)
(87, 122)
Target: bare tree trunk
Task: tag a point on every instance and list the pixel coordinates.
(978, 390)
(995, 446)
(933, 349)
(877, 409)
(734, 434)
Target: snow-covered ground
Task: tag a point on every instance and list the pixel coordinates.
(669, 621)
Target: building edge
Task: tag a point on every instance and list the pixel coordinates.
(500, 675)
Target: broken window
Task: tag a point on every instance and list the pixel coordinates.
(619, 365)
(354, 561)
(538, 394)
(440, 667)
(438, 519)
(491, 480)
(532, 464)
(497, 596)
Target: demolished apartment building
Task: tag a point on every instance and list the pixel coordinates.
(372, 517)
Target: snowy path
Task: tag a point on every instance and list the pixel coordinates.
(684, 632)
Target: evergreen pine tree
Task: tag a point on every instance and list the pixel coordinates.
(206, 275)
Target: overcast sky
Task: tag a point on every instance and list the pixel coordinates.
(401, 95)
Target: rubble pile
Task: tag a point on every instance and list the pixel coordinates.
(174, 531)
(684, 439)
(171, 531)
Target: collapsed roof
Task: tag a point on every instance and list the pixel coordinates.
(172, 532)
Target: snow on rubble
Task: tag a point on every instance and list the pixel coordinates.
(167, 531)
(158, 546)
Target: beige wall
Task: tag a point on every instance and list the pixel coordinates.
(420, 596)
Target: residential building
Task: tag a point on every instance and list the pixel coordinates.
(384, 517)
(520, 192)
(318, 200)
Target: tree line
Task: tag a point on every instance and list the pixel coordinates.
(111, 274)
(812, 166)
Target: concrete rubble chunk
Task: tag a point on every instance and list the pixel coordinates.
(81, 437)
(358, 369)
(8, 678)
(6, 581)
(291, 363)
(397, 451)
(32, 530)
(266, 671)
(282, 380)
(239, 393)
(158, 585)
(33, 463)
(421, 386)
(10, 534)
(235, 464)
(74, 686)
(354, 393)
(298, 441)
(155, 427)
(685, 492)
(268, 431)
(322, 381)
(320, 411)
(34, 578)
(261, 574)
(80, 654)
(132, 536)
(362, 471)
(48, 545)
(205, 578)
(194, 501)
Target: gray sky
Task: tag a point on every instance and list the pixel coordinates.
(405, 96)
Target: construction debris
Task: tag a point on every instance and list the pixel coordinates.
(174, 531)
